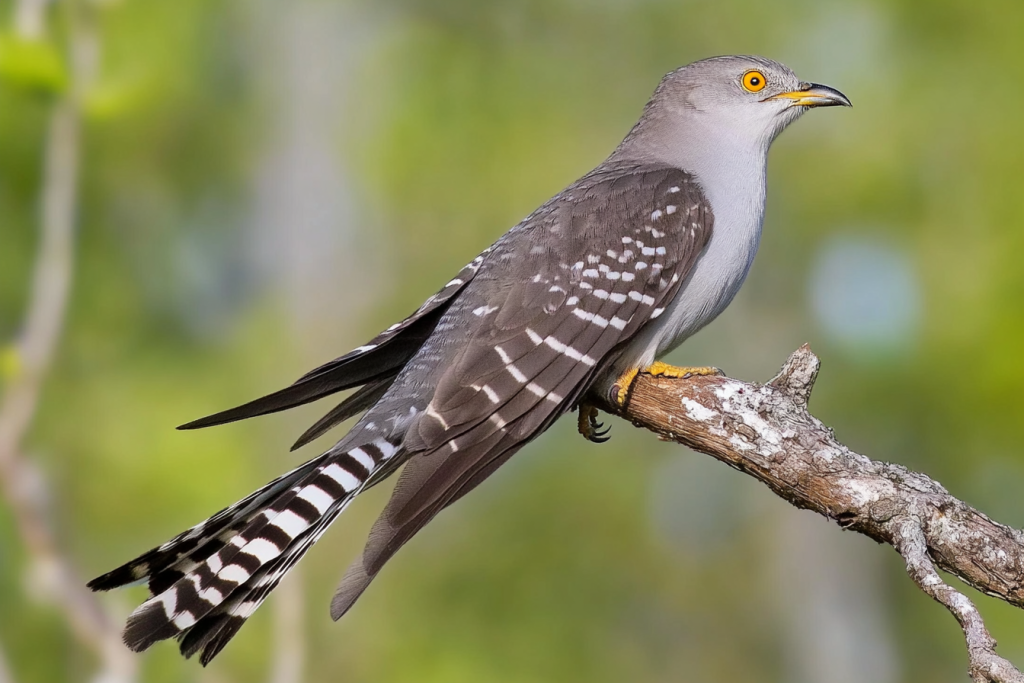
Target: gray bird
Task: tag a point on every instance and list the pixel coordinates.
(588, 290)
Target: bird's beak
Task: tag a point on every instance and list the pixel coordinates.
(814, 95)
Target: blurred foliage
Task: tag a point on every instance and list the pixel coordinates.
(33, 65)
(455, 119)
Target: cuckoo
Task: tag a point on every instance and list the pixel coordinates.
(591, 288)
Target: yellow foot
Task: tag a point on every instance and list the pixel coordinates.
(659, 369)
(588, 425)
(621, 387)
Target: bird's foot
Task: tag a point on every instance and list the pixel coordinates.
(659, 369)
(621, 387)
(589, 427)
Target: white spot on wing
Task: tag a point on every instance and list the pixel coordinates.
(431, 412)
(582, 315)
(569, 351)
(491, 393)
(536, 389)
(516, 373)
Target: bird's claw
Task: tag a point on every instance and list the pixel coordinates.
(589, 427)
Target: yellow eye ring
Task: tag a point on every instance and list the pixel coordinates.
(753, 81)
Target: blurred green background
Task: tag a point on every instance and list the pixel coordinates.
(264, 185)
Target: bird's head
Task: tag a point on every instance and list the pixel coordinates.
(742, 99)
(749, 94)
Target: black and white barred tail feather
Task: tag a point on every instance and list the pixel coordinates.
(211, 633)
(218, 590)
(165, 564)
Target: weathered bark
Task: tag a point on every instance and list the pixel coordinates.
(767, 432)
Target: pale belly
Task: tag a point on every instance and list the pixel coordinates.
(710, 288)
(735, 192)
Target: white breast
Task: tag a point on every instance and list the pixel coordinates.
(736, 193)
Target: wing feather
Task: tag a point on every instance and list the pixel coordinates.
(359, 401)
(530, 363)
(378, 360)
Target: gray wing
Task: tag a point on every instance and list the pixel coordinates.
(375, 364)
(553, 303)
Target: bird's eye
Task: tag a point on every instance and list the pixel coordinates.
(753, 81)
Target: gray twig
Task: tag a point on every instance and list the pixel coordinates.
(22, 485)
(767, 432)
(985, 664)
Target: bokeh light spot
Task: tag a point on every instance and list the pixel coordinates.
(865, 294)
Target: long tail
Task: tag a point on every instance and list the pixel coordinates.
(208, 580)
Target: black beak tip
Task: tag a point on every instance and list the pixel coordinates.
(836, 98)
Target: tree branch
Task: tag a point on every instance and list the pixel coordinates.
(767, 432)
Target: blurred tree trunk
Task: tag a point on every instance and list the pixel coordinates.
(830, 599)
